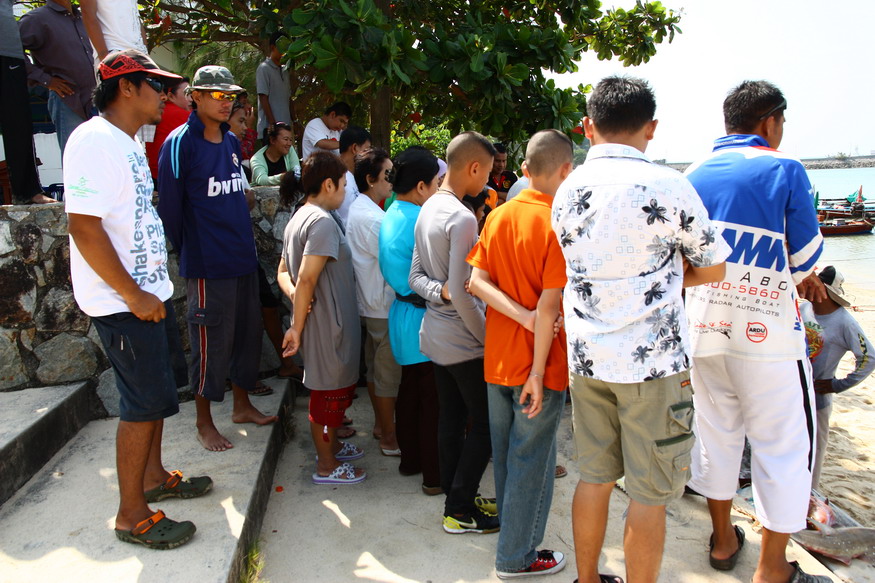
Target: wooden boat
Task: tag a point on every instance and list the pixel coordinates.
(850, 212)
(845, 227)
(852, 206)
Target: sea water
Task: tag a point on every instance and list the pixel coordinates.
(842, 182)
(853, 255)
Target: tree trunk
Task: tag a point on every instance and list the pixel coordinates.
(381, 104)
(381, 118)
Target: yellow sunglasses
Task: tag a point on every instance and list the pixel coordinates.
(222, 96)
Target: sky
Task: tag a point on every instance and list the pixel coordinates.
(818, 53)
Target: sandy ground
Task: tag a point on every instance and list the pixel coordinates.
(386, 530)
(848, 476)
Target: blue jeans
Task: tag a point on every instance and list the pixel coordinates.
(64, 119)
(524, 462)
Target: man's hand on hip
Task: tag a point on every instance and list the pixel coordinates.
(60, 86)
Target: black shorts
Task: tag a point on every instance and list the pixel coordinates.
(265, 292)
(225, 330)
(139, 352)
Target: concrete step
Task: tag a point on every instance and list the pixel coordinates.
(34, 425)
(59, 526)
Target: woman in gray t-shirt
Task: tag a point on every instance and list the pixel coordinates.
(316, 273)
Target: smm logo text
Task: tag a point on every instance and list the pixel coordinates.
(751, 249)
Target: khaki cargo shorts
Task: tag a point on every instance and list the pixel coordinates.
(381, 367)
(639, 430)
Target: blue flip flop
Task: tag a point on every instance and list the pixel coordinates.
(342, 474)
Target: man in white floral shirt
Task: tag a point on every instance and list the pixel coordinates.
(633, 235)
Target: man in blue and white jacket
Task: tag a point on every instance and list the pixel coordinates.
(206, 218)
(751, 375)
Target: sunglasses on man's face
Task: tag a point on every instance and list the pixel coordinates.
(222, 96)
(155, 84)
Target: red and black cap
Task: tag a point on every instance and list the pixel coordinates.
(119, 63)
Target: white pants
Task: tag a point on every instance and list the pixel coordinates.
(773, 404)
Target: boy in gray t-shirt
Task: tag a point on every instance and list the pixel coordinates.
(831, 332)
(453, 331)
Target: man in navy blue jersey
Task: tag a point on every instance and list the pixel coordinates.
(206, 217)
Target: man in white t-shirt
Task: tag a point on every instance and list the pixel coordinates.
(323, 133)
(353, 141)
(118, 263)
(115, 25)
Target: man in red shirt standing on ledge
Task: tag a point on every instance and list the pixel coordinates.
(176, 110)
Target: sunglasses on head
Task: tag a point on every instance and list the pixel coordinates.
(782, 105)
(222, 96)
(155, 84)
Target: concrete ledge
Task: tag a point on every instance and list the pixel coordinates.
(60, 525)
(34, 425)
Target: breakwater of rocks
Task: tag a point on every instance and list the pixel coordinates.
(832, 163)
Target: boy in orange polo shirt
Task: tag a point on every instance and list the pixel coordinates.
(519, 271)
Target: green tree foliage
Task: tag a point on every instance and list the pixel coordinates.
(470, 64)
(435, 139)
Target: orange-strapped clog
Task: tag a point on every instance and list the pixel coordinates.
(178, 487)
(158, 532)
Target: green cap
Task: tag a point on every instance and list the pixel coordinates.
(214, 78)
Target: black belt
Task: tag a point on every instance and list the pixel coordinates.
(414, 299)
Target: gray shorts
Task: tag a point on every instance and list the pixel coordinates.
(225, 328)
(382, 369)
(639, 430)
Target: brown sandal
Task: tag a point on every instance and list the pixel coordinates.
(728, 563)
(261, 390)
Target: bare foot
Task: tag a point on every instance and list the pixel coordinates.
(130, 521)
(154, 480)
(42, 199)
(390, 443)
(212, 440)
(345, 432)
(290, 370)
(781, 573)
(250, 414)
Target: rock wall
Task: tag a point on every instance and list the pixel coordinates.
(809, 163)
(44, 338)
